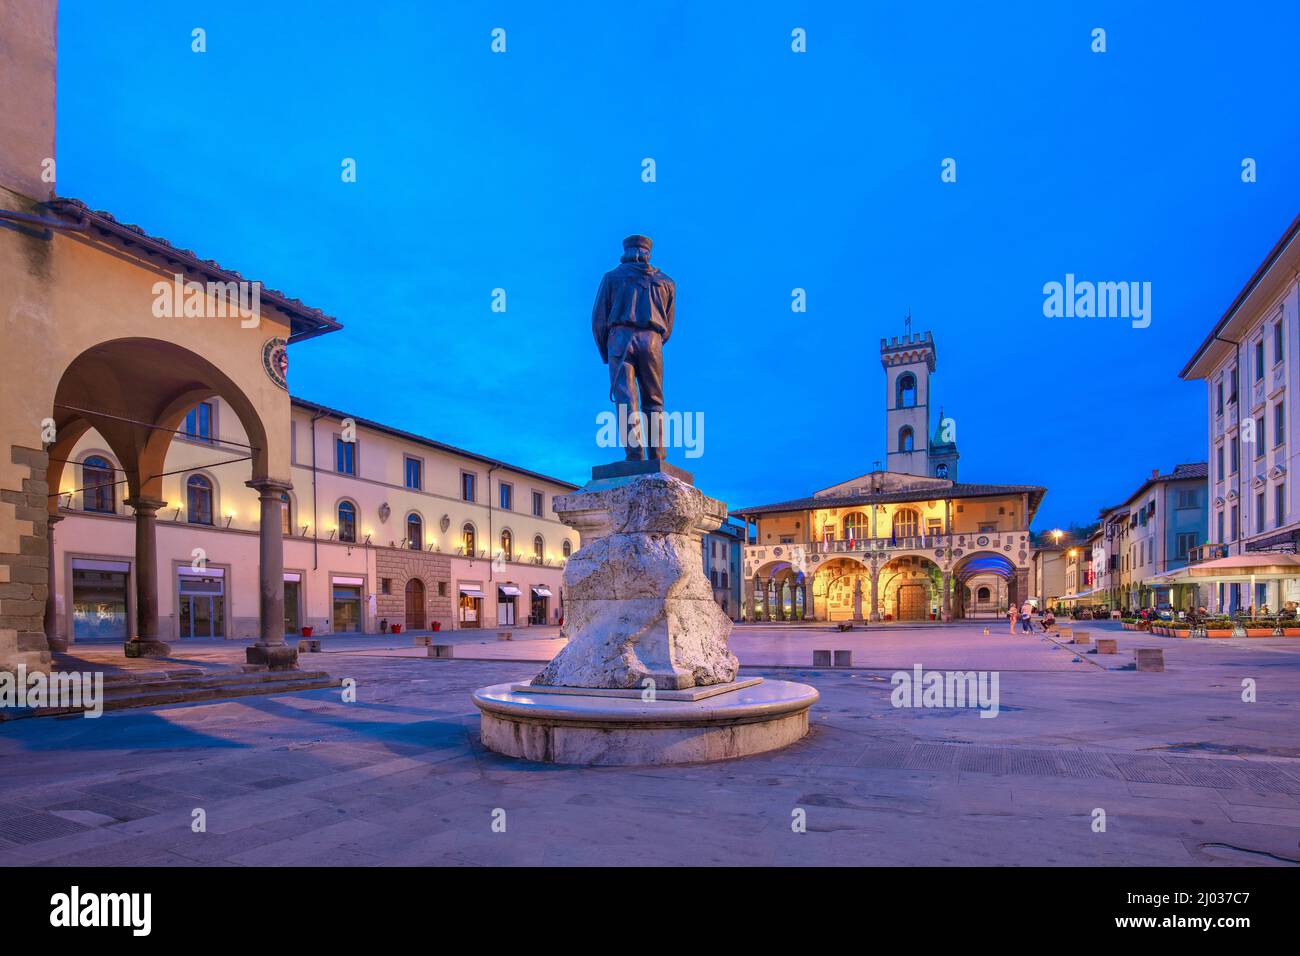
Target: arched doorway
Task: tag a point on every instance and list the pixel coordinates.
(415, 618)
(984, 575)
(843, 588)
(910, 589)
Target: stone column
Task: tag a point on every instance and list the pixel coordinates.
(51, 613)
(857, 599)
(946, 607)
(875, 595)
(767, 600)
(144, 641)
(270, 649)
(810, 607)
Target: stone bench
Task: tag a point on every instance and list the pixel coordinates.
(1082, 637)
(1107, 645)
(421, 640)
(1067, 633)
(441, 652)
(1149, 659)
(504, 636)
(843, 658)
(821, 659)
(309, 645)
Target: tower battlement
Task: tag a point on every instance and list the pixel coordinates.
(908, 350)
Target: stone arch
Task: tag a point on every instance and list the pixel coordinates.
(135, 392)
(908, 589)
(841, 588)
(982, 563)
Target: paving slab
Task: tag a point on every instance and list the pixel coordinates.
(1187, 772)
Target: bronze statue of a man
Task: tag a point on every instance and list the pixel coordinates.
(631, 321)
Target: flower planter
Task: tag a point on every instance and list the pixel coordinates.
(1182, 632)
(397, 628)
(1218, 632)
(437, 625)
(306, 632)
(1259, 632)
(1291, 632)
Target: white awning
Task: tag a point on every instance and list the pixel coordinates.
(292, 576)
(202, 572)
(471, 590)
(86, 564)
(510, 590)
(351, 581)
(542, 591)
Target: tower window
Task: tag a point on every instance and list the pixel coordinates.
(905, 437)
(941, 470)
(906, 396)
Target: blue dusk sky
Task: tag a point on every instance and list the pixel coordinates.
(775, 171)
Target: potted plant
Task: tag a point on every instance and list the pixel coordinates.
(306, 632)
(437, 625)
(1260, 627)
(397, 629)
(1218, 627)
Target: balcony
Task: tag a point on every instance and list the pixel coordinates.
(759, 554)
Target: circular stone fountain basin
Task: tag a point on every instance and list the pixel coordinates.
(568, 727)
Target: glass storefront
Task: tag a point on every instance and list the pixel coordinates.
(99, 601)
(202, 607)
(540, 605)
(471, 605)
(507, 596)
(292, 602)
(347, 608)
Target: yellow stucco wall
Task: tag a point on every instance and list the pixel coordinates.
(60, 295)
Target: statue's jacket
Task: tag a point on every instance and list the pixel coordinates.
(635, 294)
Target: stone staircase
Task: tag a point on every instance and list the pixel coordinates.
(185, 685)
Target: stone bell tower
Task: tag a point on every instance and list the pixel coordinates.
(909, 362)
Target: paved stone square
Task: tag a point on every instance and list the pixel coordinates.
(1185, 771)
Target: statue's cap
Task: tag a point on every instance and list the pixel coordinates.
(642, 242)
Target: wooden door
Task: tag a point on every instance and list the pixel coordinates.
(415, 605)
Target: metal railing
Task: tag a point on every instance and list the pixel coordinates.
(992, 540)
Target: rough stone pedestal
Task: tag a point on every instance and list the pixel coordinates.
(276, 657)
(146, 648)
(636, 602)
(646, 676)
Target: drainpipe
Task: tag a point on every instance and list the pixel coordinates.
(491, 532)
(315, 514)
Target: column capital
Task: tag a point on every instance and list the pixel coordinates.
(145, 506)
(270, 487)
